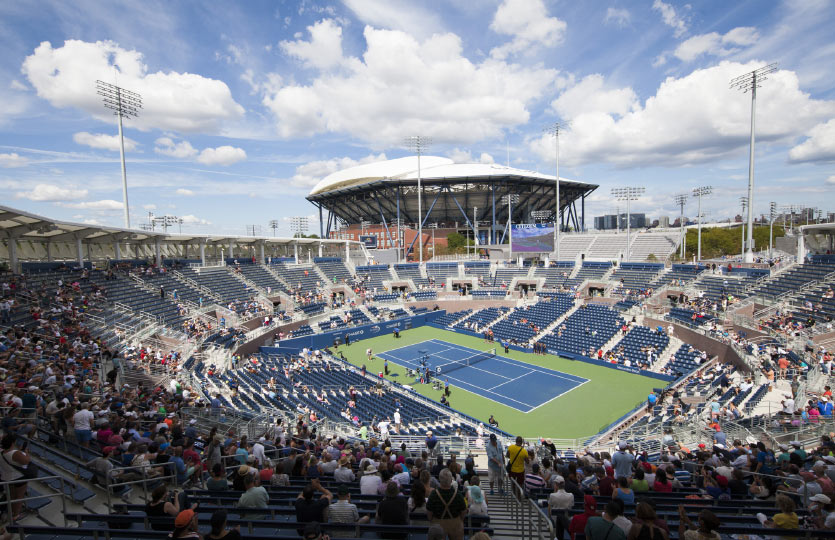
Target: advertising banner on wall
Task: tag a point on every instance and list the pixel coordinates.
(533, 238)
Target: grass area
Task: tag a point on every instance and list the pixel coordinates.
(581, 412)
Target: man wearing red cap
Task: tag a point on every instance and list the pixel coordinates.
(185, 525)
(578, 522)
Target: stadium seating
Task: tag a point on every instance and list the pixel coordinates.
(441, 272)
(584, 331)
(374, 275)
(504, 276)
(411, 271)
(303, 279)
(477, 269)
(635, 344)
(221, 282)
(636, 276)
(793, 279)
(680, 273)
(517, 326)
(481, 318)
(589, 270)
(334, 269)
(259, 275)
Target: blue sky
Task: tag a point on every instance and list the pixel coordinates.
(247, 105)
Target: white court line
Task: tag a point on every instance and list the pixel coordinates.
(511, 380)
(558, 396)
(551, 372)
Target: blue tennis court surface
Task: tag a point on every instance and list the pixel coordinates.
(515, 384)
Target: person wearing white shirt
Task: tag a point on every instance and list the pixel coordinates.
(258, 452)
(370, 481)
(83, 425)
(397, 420)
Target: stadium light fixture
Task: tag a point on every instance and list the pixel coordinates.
(510, 199)
(475, 230)
(419, 144)
(554, 130)
(681, 200)
(273, 225)
(750, 82)
(123, 103)
(298, 225)
(698, 192)
(743, 201)
(631, 193)
(772, 213)
(166, 221)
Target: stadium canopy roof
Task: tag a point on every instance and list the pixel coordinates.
(386, 191)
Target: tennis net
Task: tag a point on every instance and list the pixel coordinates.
(466, 362)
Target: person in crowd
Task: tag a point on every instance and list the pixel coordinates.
(165, 503)
(708, 526)
(219, 530)
(517, 457)
(254, 496)
(309, 509)
(392, 510)
(185, 525)
(495, 463)
(645, 525)
(12, 459)
(579, 521)
(343, 510)
(785, 519)
(447, 507)
(604, 527)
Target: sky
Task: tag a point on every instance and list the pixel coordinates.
(247, 105)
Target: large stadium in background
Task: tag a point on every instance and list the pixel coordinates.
(386, 193)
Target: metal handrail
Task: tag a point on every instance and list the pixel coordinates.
(10, 501)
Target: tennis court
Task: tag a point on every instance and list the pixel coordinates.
(521, 386)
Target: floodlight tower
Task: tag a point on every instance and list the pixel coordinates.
(681, 200)
(298, 224)
(698, 192)
(750, 82)
(772, 213)
(631, 193)
(554, 130)
(273, 225)
(743, 201)
(510, 199)
(419, 144)
(123, 103)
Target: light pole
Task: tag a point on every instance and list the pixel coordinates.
(475, 230)
(681, 200)
(298, 224)
(750, 82)
(631, 193)
(744, 202)
(554, 130)
(510, 198)
(698, 192)
(273, 225)
(419, 144)
(123, 103)
(772, 213)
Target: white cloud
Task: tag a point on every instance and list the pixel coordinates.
(670, 17)
(403, 15)
(168, 147)
(819, 147)
(184, 192)
(465, 156)
(92, 221)
(176, 101)
(323, 51)
(103, 205)
(618, 17)
(149, 206)
(51, 193)
(831, 180)
(222, 155)
(309, 174)
(402, 86)
(589, 95)
(716, 44)
(527, 21)
(692, 119)
(12, 160)
(103, 141)
(191, 219)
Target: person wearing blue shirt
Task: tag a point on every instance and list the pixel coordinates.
(179, 464)
(431, 441)
(825, 406)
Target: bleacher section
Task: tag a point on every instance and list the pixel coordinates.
(504, 276)
(572, 245)
(793, 279)
(685, 359)
(441, 272)
(584, 331)
(301, 279)
(636, 276)
(127, 292)
(259, 275)
(555, 275)
(640, 339)
(171, 285)
(660, 245)
(716, 287)
(482, 318)
(411, 271)
(477, 269)
(591, 271)
(221, 282)
(374, 274)
(489, 293)
(517, 326)
(608, 246)
(680, 273)
(688, 317)
(334, 269)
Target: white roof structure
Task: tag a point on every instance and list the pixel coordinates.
(406, 168)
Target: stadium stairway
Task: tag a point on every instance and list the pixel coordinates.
(502, 519)
(667, 354)
(248, 282)
(551, 327)
(277, 276)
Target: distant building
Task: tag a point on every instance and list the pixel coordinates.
(664, 222)
(612, 221)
